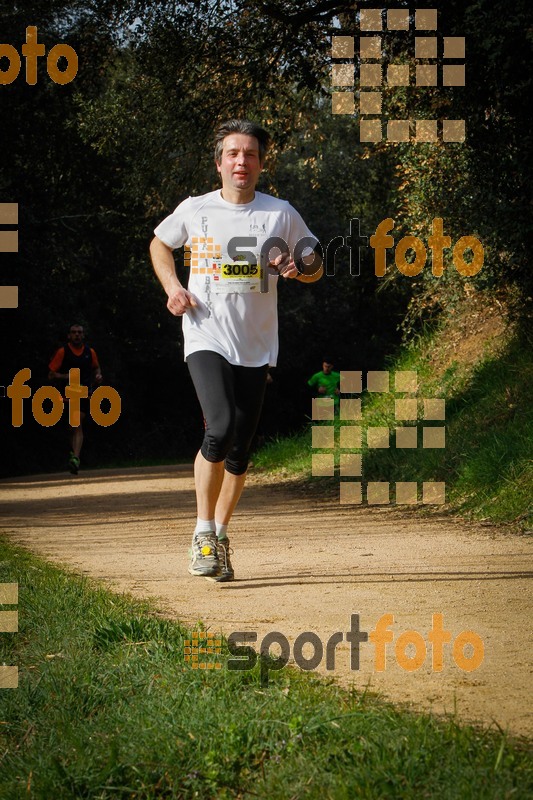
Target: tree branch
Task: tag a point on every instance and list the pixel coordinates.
(327, 8)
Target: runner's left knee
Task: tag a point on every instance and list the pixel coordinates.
(237, 465)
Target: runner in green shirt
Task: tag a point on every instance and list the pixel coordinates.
(326, 382)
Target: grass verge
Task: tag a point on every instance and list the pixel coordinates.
(486, 463)
(108, 708)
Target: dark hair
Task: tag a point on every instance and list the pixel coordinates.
(241, 126)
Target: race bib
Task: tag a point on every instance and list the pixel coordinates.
(236, 277)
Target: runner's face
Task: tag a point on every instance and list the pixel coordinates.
(239, 166)
(75, 335)
(326, 368)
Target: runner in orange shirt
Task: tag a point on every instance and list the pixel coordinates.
(75, 354)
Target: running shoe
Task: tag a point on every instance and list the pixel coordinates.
(227, 573)
(204, 555)
(73, 464)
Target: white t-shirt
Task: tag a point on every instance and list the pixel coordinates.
(232, 318)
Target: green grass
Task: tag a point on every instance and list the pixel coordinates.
(290, 455)
(107, 708)
(487, 463)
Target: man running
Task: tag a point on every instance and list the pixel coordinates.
(230, 323)
(76, 354)
(326, 382)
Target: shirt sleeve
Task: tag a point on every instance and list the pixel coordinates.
(55, 363)
(174, 230)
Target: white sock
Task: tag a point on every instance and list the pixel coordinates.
(222, 531)
(204, 526)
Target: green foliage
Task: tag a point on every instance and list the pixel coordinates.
(486, 463)
(95, 164)
(479, 187)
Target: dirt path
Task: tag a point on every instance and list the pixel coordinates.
(304, 565)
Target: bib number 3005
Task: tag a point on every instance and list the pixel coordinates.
(238, 277)
(240, 269)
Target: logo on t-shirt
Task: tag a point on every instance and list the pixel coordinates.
(257, 229)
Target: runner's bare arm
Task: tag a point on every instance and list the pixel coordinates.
(179, 299)
(56, 376)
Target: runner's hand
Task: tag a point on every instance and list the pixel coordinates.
(285, 266)
(180, 300)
